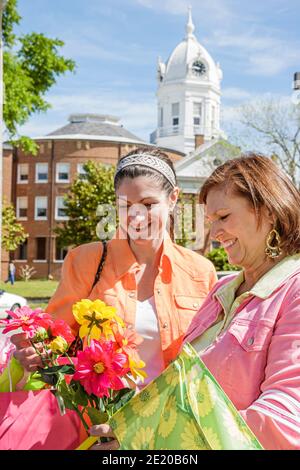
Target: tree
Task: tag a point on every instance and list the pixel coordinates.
(274, 125)
(13, 233)
(88, 202)
(218, 257)
(32, 64)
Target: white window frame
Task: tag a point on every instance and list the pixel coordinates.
(161, 117)
(24, 198)
(197, 116)
(37, 180)
(59, 217)
(37, 206)
(55, 259)
(80, 170)
(175, 114)
(57, 172)
(20, 165)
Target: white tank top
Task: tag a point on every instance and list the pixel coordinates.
(150, 350)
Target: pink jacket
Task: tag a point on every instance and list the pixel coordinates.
(257, 359)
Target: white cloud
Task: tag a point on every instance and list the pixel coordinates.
(211, 11)
(137, 112)
(261, 55)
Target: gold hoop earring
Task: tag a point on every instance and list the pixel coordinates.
(273, 251)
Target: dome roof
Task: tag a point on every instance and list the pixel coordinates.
(180, 63)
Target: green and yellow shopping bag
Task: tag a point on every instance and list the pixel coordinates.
(184, 408)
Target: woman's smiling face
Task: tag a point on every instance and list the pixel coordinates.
(144, 208)
(234, 224)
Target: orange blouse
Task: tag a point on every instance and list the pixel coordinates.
(183, 281)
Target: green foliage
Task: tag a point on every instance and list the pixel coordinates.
(185, 220)
(82, 205)
(218, 257)
(32, 65)
(13, 233)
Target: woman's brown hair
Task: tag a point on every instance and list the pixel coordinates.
(264, 184)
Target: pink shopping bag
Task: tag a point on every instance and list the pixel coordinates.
(31, 420)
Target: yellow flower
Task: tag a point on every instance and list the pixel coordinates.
(95, 318)
(58, 345)
(147, 401)
(168, 418)
(202, 396)
(134, 366)
(191, 438)
(171, 376)
(118, 425)
(235, 427)
(212, 438)
(143, 439)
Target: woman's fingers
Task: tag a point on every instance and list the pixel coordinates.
(111, 445)
(28, 358)
(102, 430)
(20, 340)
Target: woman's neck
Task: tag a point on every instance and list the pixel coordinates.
(254, 273)
(149, 253)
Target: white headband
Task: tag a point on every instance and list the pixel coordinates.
(150, 161)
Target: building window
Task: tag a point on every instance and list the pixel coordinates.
(175, 116)
(22, 207)
(41, 206)
(197, 114)
(81, 171)
(63, 172)
(60, 210)
(161, 117)
(21, 252)
(41, 248)
(41, 173)
(60, 251)
(23, 170)
(213, 119)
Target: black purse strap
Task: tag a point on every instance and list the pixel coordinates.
(101, 264)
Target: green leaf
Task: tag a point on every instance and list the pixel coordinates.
(96, 416)
(80, 396)
(127, 394)
(34, 382)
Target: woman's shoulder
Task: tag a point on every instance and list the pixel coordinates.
(192, 261)
(86, 253)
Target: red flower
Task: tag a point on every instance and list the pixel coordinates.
(27, 319)
(127, 340)
(100, 367)
(61, 328)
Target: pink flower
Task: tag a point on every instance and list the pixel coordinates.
(100, 367)
(6, 350)
(61, 328)
(27, 319)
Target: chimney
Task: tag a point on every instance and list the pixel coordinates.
(199, 140)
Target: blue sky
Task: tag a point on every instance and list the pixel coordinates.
(115, 44)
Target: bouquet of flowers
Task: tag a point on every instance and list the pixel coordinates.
(101, 377)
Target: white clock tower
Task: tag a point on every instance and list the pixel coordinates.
(188, 96)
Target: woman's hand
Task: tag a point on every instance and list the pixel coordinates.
(25, 353)
(104, 430)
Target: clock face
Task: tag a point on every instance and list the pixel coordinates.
(198, 68)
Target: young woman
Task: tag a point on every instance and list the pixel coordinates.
(156, 285)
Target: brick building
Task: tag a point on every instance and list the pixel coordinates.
(36, 184)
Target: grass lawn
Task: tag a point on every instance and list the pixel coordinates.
(32, 288)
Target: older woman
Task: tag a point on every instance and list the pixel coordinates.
(248, 330)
